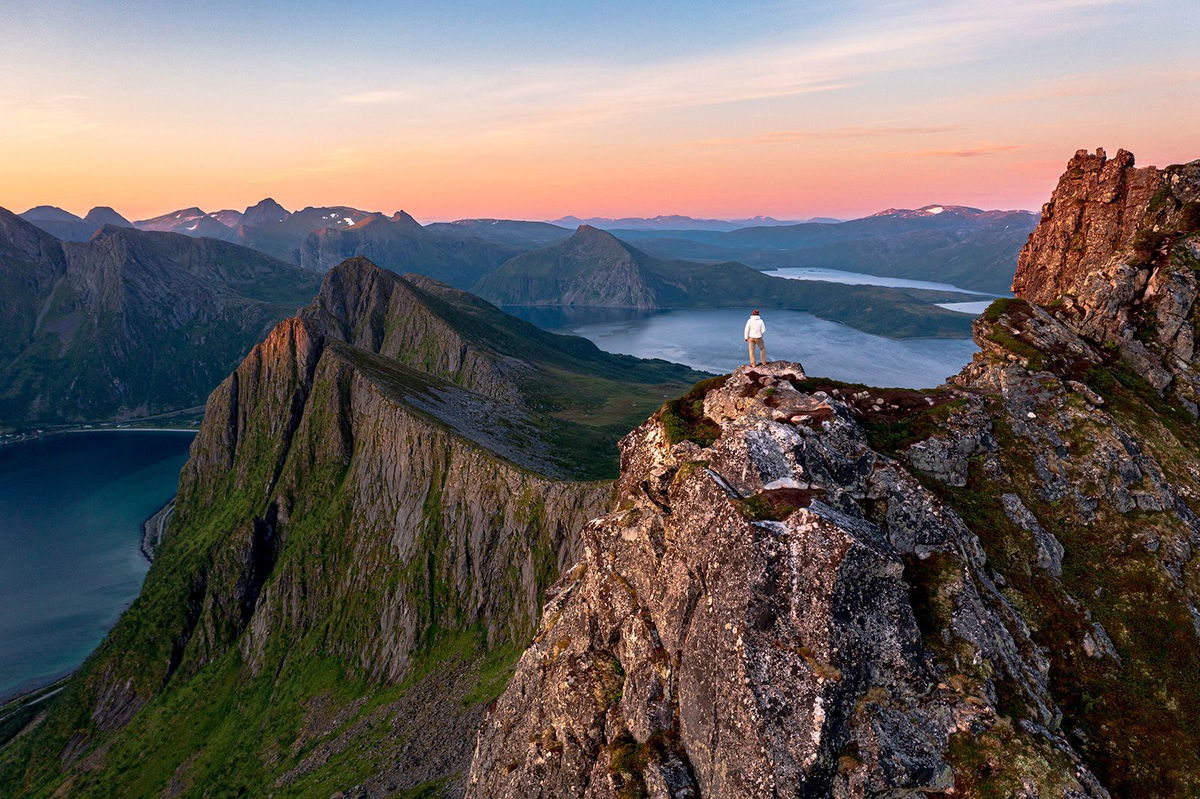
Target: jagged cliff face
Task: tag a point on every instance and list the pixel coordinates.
(813, 589)
(1116, 256)
(128, 323)
(361, 545)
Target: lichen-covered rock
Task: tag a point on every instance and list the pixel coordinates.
(752, 620)
(1115, 255)
(987, 589)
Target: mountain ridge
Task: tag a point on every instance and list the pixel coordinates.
(403, 418)
(593, 268)
(129, 323)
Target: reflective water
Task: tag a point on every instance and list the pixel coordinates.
(71, 513)
(860, 279)
(712, 340)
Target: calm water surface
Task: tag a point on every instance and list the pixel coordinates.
(860, 279)
(712, 340)
(71, 513)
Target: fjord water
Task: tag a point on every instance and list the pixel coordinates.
(71, 512)
(861, 279)
(712, 340)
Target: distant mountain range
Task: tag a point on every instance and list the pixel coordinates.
(401, 244)
(129, 323)
(677, 222)
(593, 268)
(68, 227)
(968, 247)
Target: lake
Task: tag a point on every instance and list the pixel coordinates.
(860, 279)
(712, 340)
(71, 513)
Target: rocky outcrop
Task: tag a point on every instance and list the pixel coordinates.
(1093, 214)
(1115, 256)
(753, 620)
(813, 589)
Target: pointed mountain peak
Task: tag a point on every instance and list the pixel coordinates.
(264, 211)
(589, 233)
(104, 215)
(403, 218)
(594, 238)
(227, 217)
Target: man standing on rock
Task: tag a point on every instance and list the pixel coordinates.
(755, 327)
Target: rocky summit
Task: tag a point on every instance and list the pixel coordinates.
(807, 588)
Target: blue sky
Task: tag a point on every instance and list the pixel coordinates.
(538, 109)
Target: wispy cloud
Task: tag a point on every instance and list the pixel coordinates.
(374, 97)
(341, 159)
(850, 132)
(965, 152)
(889, 39)
(44, 118)
(1100, 83)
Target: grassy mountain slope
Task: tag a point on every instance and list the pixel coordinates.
(363, 537)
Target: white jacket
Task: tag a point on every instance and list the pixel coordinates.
(755, 327)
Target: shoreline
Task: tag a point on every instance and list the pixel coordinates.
(154, 528)
(41, 434)
(21, 699)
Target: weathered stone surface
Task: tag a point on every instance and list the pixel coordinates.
(740, 626)
(850, 594)
(1094, 212)
(1115, 254)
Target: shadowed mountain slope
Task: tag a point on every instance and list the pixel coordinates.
(128, 323)
(595, 269)
(363, 535)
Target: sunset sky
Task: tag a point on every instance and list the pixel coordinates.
(539, 109)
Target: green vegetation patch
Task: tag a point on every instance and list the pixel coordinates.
(894, 434)
(1137, 722)
(684, 419)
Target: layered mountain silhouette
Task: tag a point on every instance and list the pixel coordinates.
(967, 247)
(964, 246)
(189, 222)
(595, 269)
(678, 222)
(526, 235)
(128, 323)
(401, 244)
(68, 227)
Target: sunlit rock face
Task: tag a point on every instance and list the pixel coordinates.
(808, 588)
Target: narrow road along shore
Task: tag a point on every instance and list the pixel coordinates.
(154, 528)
